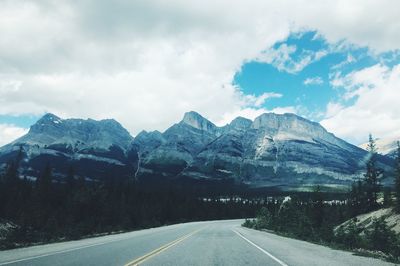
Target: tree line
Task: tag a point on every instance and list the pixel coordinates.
(316, 219)
(48, 209)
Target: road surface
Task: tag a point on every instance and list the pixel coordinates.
(198, 243)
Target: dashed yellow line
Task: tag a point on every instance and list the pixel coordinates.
(160, 249)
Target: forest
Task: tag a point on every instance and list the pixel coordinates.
(316, 218)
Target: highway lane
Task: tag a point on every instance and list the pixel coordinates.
(198, 243)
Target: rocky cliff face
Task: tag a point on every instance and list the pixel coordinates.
(92, 149)
(280, 150)
(273, 150)
(285, 151)
(177, 147)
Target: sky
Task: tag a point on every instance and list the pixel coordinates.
(146, 63)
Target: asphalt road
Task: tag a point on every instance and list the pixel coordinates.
(199, 243)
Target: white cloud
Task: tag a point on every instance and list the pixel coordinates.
(257, 101)
(9, 133)
(313, 81)
(353, 22)
(376, 108)
(147, 62)
(333, 109)
(252, 113)
(349, 59)
(284, 60)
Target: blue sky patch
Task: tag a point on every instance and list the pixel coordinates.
(24, 121)
(304, 77)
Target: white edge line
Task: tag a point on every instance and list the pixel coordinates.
(261, 249)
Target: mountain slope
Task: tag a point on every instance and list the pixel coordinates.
(92, 149)
(176, 147)
(280, 150)
(273, 150)
(276, 150)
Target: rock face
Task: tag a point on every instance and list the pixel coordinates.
(92, 149)
(284, 151)
(176, 148)
(273, 150)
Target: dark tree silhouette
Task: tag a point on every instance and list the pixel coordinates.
(372, 176)
(397, 181)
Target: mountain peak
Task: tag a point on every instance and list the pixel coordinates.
(195, 120)
(111, 123)
(281, 121)
(241, 122)
(49, 117)
(49, 120)
(192, 115)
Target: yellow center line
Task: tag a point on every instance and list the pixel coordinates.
(161, 249)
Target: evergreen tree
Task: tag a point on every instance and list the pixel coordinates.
(12, 187)
(372, 177)
(44, 182)
(70, 180)
(380, 236)
(387, 197)
(44, 195)
(397, 184)
(349, 237)
(356, 200)
(317, 210)
(12, 175)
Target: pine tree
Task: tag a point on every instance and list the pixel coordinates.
(387, 197)
(397, 184)
(44, 181)
(12, 186)
(70, 180)
(12, 173)
(371, 177)
(317, 211)
(356, 200)
(44, 191)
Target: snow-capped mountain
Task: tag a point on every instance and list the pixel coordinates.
(92, 149)
(277, 150)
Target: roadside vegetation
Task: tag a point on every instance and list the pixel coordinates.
(47, 210)
(335, 223)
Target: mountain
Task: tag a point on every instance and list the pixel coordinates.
(385, 146)
(92, 149)
(176, 148)
(284, 151)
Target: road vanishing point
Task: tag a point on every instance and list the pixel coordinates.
(197, 243)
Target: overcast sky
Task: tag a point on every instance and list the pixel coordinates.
(145, 63)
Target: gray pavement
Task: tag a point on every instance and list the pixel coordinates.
(198, 243)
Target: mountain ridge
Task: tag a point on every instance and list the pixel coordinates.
(273, 150)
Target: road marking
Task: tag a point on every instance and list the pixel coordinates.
(261, 249)
(61, 251)
(160, 249)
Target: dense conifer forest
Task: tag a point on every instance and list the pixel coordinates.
(46, 210)
(316, 218)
